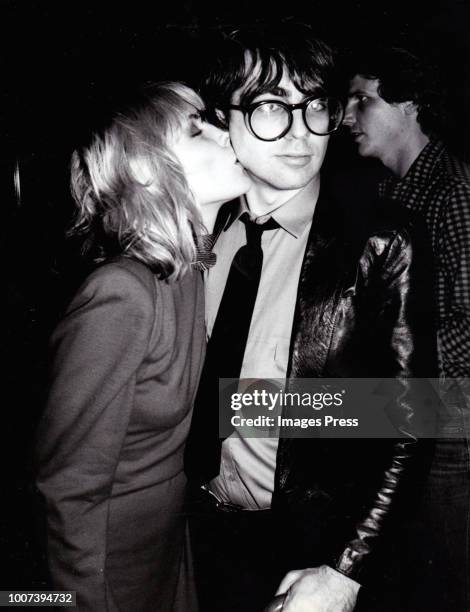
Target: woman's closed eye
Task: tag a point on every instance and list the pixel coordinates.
(195, 131)
(197, 120)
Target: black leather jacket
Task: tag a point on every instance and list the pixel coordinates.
(364, 309)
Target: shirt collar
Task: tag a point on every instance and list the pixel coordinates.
(419, 173)
(293, 216)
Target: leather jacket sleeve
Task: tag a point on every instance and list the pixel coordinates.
(410, 352)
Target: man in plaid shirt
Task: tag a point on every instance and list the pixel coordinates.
(395, 113)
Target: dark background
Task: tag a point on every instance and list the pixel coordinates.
(59, 63)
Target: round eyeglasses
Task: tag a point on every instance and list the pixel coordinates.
(270, 120)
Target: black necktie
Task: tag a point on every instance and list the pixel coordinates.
(225, 351)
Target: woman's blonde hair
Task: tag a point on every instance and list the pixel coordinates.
(132, 195)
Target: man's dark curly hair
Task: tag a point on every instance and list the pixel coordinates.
(405, 77)
(284, 47)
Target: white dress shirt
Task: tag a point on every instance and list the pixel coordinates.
(248, 465)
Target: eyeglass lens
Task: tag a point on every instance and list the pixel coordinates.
(271, 120)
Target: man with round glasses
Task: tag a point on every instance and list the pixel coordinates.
(298, 519)
(272, 119)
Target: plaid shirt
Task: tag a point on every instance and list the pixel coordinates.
(438, 187)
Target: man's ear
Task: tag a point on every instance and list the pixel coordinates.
(221, 116)
(409, 108)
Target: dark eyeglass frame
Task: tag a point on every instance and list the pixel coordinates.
(249, 109)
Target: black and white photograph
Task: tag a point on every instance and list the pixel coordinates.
(237, 252)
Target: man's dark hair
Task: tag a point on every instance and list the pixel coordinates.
(405, 77)
(288, 47)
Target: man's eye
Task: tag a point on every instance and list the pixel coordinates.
(318, 106)
(270, 108)
(363, 100)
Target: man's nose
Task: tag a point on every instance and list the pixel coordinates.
(298, 129)
(220, 136)
(349, 114)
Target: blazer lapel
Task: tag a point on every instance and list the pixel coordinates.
(318, 293)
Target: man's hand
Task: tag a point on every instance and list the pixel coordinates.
(318, 589)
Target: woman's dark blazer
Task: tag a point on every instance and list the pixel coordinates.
(127, 359)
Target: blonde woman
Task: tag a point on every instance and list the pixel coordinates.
(128, 355)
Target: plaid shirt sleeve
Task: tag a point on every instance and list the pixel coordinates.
(454, 335)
